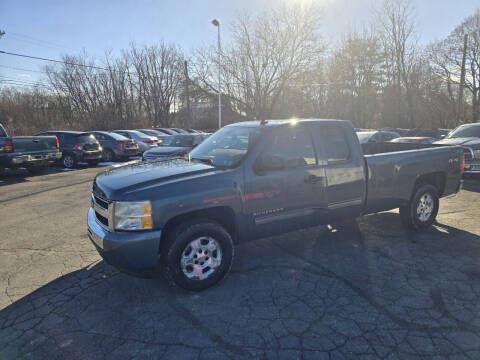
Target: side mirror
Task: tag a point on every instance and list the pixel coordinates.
(269, 163)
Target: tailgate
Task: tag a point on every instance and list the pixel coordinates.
(34, 144)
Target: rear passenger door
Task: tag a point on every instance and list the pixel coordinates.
(344, 168)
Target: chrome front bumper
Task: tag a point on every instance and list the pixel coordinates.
(132, 252)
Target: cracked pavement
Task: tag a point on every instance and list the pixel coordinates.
(362, 290)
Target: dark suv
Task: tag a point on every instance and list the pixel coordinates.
(116, 146)
(77, 147)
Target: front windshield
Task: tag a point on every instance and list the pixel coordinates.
(465, 131)
(177, 141)
(364, 136)
(227, 146)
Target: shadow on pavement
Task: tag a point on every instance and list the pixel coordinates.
(361, 289)
(472, 184)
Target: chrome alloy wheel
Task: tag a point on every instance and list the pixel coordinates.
(201, 258)
(425, 207)
(68, 161)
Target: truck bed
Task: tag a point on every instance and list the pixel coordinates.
(392, 170)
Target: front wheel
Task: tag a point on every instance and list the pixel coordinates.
(422, 209)
(197, 255)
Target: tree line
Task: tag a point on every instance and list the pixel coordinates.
(275, 65)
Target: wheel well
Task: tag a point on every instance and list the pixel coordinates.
(435, 179)
(222, 215)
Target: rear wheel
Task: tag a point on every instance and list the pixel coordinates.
(197, 255)
(422, 209)
(69, 161)
(108, 155)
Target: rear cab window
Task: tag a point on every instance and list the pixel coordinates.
(334, 141)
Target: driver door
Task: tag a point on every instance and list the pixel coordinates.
(287, 193)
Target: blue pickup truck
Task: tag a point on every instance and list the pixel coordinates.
(256, 179)
(31, 152)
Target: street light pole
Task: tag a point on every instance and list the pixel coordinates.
(216, 23)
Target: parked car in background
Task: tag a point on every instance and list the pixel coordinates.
(174, 145)
(253, 180)
(116, 146)
(77, 146)
(166, 131)
(434, 133)
(145, 142)
(376, 136)
(31, 152)
(152, 132)
(468, 136)
(414, 140)
(180, 131)
(400, 131)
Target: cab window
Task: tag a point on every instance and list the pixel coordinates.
(293, 145)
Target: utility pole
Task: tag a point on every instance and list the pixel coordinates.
(216, 23)
(187, 94)
(462, 81)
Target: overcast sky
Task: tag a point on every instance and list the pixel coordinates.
(50, 28)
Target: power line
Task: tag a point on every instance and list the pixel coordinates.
(37, 41)
(55, 61)
(20, 82)
(20, 69)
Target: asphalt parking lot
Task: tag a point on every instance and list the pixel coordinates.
(362, 290)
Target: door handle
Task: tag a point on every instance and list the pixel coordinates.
(313, 179)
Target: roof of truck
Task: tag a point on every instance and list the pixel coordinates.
(255, 123)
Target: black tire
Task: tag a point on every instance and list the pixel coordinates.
(69, 161)
(35, 170)
(409, 215)
(108, 155)
(93, 163)
(179, 240)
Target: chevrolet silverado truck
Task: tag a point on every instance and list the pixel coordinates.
(256, 179)
(31, 152)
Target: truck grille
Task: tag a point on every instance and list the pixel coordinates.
(102, 219)
(101, 202)
(101, 207)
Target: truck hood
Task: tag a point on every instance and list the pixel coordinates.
(165, 150)
(465, 141)
(115, 183)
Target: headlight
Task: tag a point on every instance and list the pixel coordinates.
(133, 215)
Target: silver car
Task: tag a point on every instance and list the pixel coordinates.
(145, 142)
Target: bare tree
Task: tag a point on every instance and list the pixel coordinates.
(266, 53)
(159, 69)
(396, 28)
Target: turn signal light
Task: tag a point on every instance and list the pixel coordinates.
(462, 168)
(8, 145)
